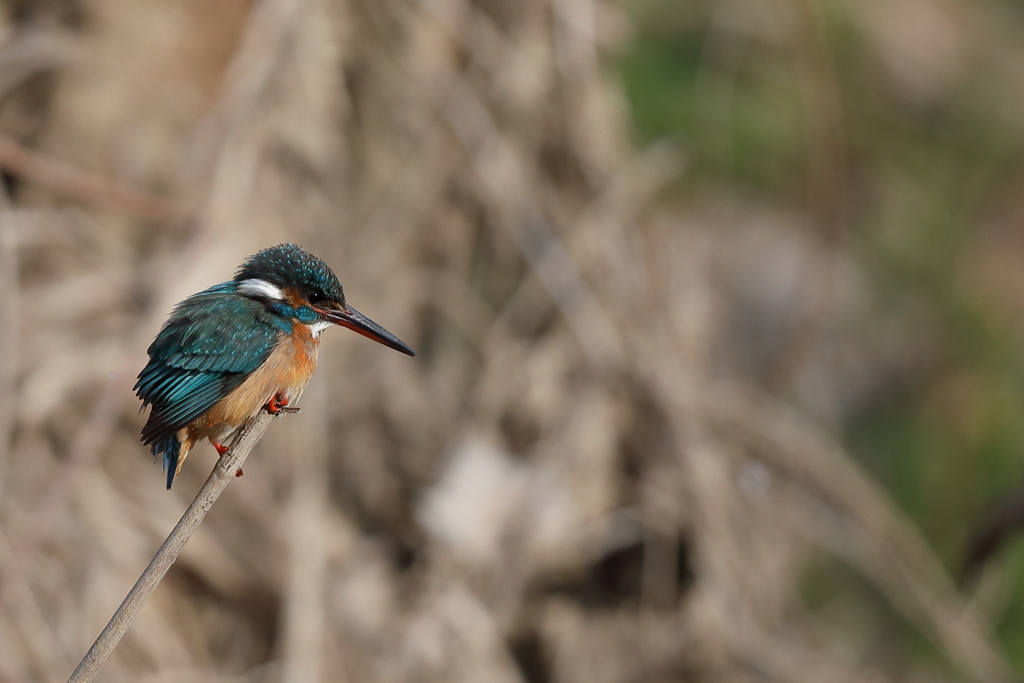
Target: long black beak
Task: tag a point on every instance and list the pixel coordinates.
(354, 320)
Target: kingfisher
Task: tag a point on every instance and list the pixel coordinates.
(242, 346)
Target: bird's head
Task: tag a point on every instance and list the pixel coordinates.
(297, 285)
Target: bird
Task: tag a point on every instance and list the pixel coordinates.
(242, 346)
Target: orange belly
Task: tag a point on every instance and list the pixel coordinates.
(286, 371)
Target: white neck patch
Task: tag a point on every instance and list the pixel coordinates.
(260, 289)
(319, 326)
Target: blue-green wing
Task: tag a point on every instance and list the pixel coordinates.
(211, 342)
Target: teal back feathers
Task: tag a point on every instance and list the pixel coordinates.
(212, 341)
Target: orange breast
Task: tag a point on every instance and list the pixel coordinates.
(287, 370)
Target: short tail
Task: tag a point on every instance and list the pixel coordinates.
(171, 449)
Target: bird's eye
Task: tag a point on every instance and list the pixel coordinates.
(315, 297)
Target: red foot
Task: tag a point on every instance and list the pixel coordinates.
(238, 472)
(221, 448)
(275, 404)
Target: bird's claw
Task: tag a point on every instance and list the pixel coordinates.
(278, 404)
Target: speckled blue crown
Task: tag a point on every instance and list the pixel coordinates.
(291, 265)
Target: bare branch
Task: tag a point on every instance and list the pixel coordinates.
(77, 184)
(10, 318)
(215, 484)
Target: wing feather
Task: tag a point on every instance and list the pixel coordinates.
(212, 341)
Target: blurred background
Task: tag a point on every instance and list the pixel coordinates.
(719, 313)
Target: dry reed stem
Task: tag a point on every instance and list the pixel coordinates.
(37, 50)
(244, 84)
(305, 593)
(218, 480)
(499, 166)
(9, 332)
(475, 176)
(496, 163)
(77, 184)
(894, 554)
(46, 516)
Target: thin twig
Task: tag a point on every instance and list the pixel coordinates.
(497, 164)
(77, 184)
(10, 319)
(215, 484)
(73, 182)
(47, 514)
(304, 612)
(900, 561)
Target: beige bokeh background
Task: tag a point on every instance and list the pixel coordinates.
(575, 480)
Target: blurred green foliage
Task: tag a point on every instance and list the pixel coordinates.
(925, 166)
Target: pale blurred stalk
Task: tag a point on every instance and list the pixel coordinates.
(303, 613)
(9, 333)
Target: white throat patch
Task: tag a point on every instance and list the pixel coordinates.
(319, 326)
(260, 289)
